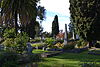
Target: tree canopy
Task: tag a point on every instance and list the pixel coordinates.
(21, 14)
(85, 18)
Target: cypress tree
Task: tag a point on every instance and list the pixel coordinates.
(55, 26)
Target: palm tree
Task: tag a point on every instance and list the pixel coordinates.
(33, 27)
(26, 10)
(41, 13)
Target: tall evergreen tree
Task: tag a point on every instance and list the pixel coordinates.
(85, 16)
(55, 26)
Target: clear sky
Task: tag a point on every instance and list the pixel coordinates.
(56, 7)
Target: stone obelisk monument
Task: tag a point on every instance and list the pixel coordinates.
(73, 35)
(65, 37)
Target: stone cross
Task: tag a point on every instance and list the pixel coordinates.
(65, 37)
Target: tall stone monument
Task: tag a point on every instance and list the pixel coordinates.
(73, 35)
(65, 36)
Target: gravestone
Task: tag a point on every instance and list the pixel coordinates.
(37, 47)
(29, 48)
(43, 48)
(73, 36)
(65, 37)
(77, 36)
(1, 47)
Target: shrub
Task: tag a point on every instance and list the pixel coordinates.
(97, 45)
(35, 57)
(59, 45)
(61, 41)
(72, 43)
(8, 59)
(67, 47)
(35, 40)
(10, 64)
(38, 44)
(17, 44)
(49, 41)
(8, 42)
(9, 33)
(81, 43)
(20, 42)
(54, 47)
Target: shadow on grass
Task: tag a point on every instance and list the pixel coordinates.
(70, 60)
(84, 56)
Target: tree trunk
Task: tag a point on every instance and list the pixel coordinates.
(90, 44)
(16, 24)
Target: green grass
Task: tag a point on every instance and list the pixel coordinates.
(69, 60)
(96, 51)
(39, 51)
(38, 44)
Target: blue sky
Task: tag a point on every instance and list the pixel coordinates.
(56, 7)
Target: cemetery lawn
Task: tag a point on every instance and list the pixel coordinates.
(70, 60)
(38, 51)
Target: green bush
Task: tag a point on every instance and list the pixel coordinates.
(9, 33)
(38, 44)
(54, 47)
(61, 41)
(35, 40)
(9, 42)
(67, 47)
(81, 43)
(49, 41)
(8, 59)
(10, 64)
(35, 57)
(18, 43)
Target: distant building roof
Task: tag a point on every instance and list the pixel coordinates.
(60, 36)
